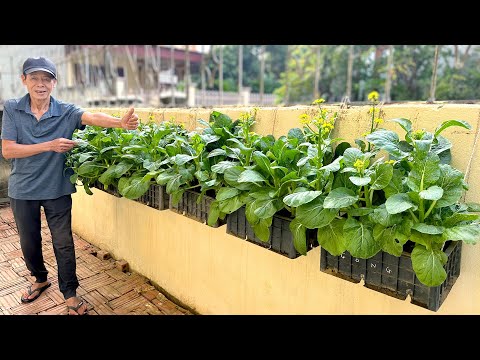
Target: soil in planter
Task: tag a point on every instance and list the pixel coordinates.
(394, 276)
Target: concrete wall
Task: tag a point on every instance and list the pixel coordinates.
(213, 272)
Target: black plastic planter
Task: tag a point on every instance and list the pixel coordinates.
(394, 276)
(197, 209)
(156, 197)
(112, 190)
(281, 239)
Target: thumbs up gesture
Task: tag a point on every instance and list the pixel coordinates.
(129, 121)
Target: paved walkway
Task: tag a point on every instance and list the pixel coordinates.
(105, 283)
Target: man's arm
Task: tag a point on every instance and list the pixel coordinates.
(12, 150)
(129, 121)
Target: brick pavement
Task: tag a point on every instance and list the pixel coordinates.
(106, 284)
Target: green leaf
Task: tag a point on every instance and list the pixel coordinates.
(424, 173)
(181, 159)
(226, 193)
(341, 147)
(217, 152)
(230, 205)
(427, 240)
(74, 178)
(385, 236)
(333, 166)
(404, 123)
(360, 181)
(117, 171)
(398, 203)
(265, 208)
(134, 187)
(381, 177)
(331, 237)
(395, 185)
(299, 236)
(387, 140)
(220, 167)
(176, 196)
(231, 176)
(262, 161)
(428, 229)
(469, 233)
(474, 207)
(448, 123)
(87, 189)
(450, 181)
(250, 176)
(381, 216)
(432, 193)
(351, 155)
(250, 215)
(173, 183)
(84, 157)
(362, 211)
(213, 214)
(262, 229)
(340, 198)
(428, 265)
(455, 218)
(300, 198)
(296, 133)
(90, 169)
(359, 239)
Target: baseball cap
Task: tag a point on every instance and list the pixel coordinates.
(39, 64)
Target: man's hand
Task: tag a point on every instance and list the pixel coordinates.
(129, 121)
(62, 145)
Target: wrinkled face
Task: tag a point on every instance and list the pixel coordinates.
(39, 84)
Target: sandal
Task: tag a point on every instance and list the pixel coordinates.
(25, 298)
(76, 308)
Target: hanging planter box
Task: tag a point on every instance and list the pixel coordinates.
(394, 276)
(280, 240)
(156, 197)
(111, 189)
(191, 206)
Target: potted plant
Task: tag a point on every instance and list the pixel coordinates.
(405, 222)
(283, 176)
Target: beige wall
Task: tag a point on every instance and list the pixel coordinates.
(213, 272)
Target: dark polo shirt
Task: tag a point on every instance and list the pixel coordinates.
(41, 176)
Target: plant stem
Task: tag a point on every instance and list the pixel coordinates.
(413, 215)
(430, 209)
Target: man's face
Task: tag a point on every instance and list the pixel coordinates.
(39, 84)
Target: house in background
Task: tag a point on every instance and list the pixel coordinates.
(109, 75)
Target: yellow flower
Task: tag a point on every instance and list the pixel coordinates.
(390, 162)
(244, 116)
(304, 119)
(418, 134)
(366, 133)
(318, 101)
(379, 120)
(373, 96)
(359, 164)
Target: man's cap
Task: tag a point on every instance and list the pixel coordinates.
(39, 64)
